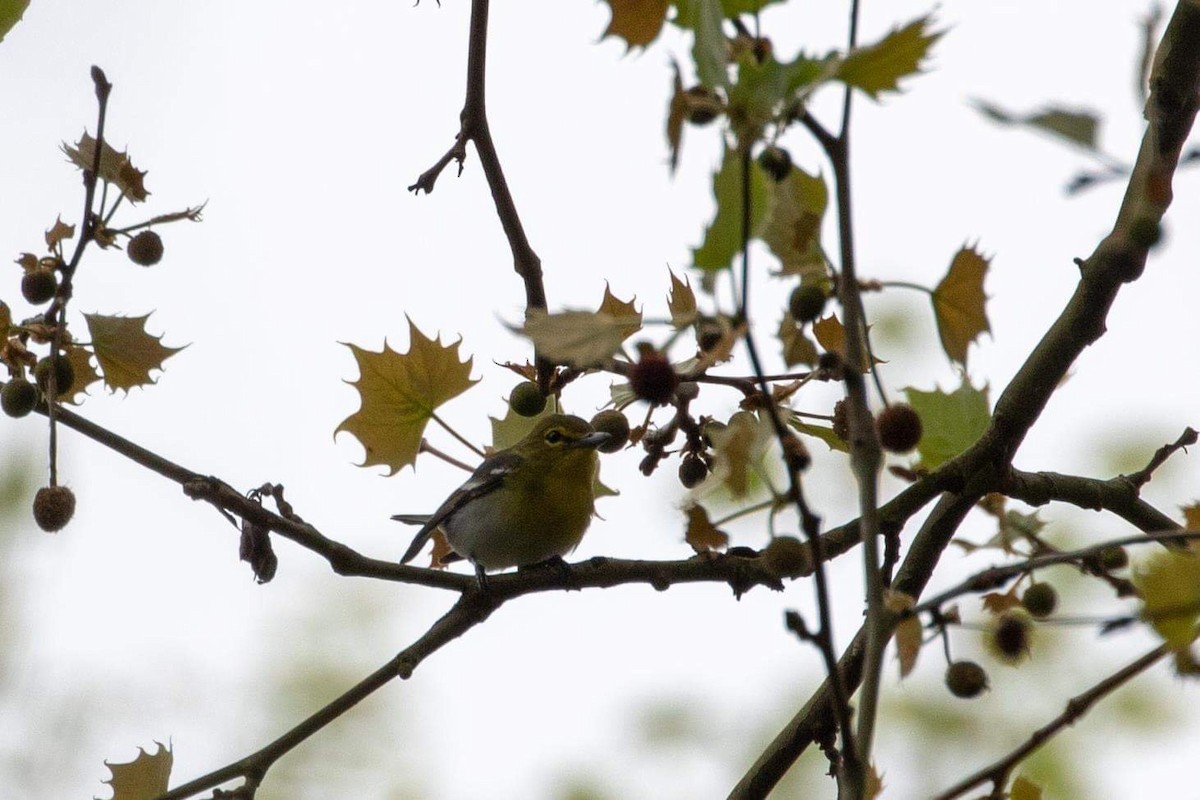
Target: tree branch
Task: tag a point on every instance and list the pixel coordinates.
(474, 128)
(1118, 259)
(1077, 706)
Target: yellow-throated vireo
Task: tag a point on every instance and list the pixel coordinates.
(527, 504)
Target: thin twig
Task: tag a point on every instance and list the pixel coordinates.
(998, 772)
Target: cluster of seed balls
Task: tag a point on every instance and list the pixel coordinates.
(53, 506)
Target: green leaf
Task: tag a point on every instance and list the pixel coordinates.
(11, 12)
(399, 393)
(709, 47)
(1077, 127)
(1169, 584)
(5, 319)
(952, 421)
(793, 229)
(723, 239)
(125, 351)
(825, 434)
(879, 67)
(959, 303)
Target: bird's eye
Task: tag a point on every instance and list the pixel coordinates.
(554, 436)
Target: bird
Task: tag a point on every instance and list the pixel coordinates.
(523, 505)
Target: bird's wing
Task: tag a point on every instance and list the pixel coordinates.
(489, 476)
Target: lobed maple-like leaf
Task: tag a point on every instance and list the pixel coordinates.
(144, 778)
(701, 534)
(398, 394)
(85, 373)
(57, 233)
(793, 230)
(125, 351)
(115, 168)
(638, 22)
(959, 304)
(737, 449)
(831, 335)
(582, 338)
(952, 421)
(681, 302)
(879, 67)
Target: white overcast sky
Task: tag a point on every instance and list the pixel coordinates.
(301, 124)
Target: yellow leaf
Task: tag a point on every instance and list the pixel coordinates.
(1024, 789)
(144, 778)
(878, 67)
(85, 373)
(1169, 583)
(909, 634)
(399, 393)
(638, 22)
(701, 534)
(958, 303)
(831, 335)
(115, 168)
(629, 318)
(125, 351)
(681, 302)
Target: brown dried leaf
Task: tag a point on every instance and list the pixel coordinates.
(701, 534)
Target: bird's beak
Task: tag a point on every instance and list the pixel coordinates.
(593, 440)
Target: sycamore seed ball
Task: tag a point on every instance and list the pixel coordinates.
(692, 470)
(145, 249)
(899, 428)
(652, 377)
(787, 557)
(615, 424)
(1040, 599)
(18, 397)
(38, 286)
(64, 374)
(527, 399)
(966, 679)
(776, 161)
(806, 302)
(53, 507)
